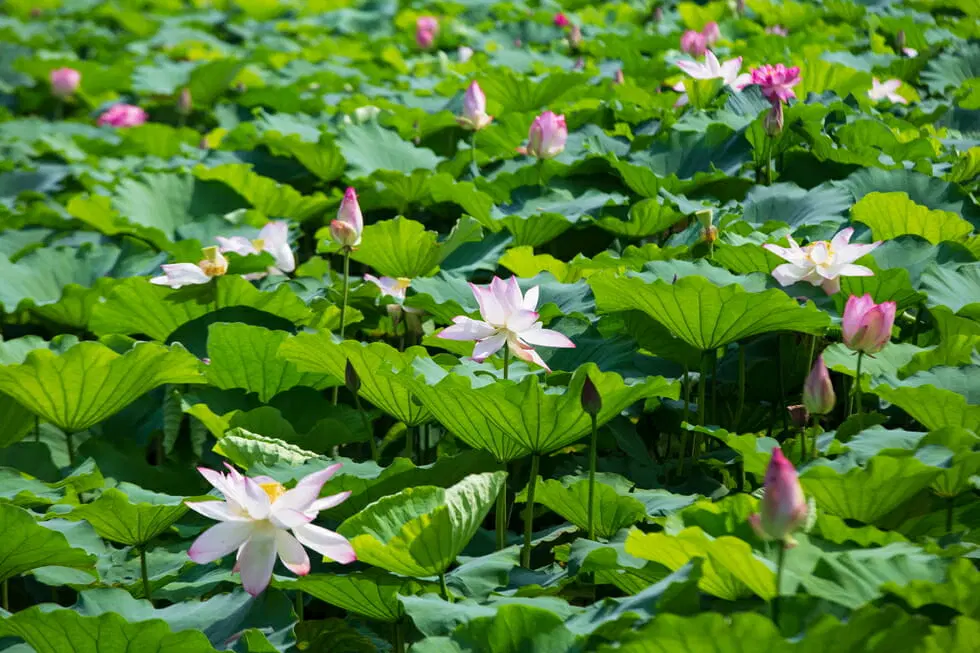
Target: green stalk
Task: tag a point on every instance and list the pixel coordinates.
(343, 308)
(37, 428)
(501, 515)
(399, 644)
(803, 442)
(685, 436)
(780, 564)
(949, 516)
(741, 385)
(145, 574)
(443, 588)
(781, 406)
(367, 426)
(857, 392)
(714, 386)
(299, 605)
(529, 511)
(409, 442)
(702, 406)
(592, 466)
(6, 595)
(506, 360)
(71, 448)
(541, 173)
(476, 169)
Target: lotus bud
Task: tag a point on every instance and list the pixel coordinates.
(561, 20)
(711, 32)
(818, 391)
(346, 229)
(64, 82)
(547, 136)
(474, 115)
(798, 415)
(783, 509)
(900, 40)
(351, 380)
(867, 327)
(705, 217)
(575, 37)
(591, 401)
(184, 102)
(426, 30)
(773, 121)
(658, 14)
(619, 77)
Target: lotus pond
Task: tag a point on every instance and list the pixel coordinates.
(489, 326)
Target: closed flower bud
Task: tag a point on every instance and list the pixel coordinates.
(426, 30)
(773, 121)
(783, 509)
(575, 37)
(798, 415)
(547, 136)
(474, 117)
(351, 379)
(184, 102)
(867, 327)
(591, 401)
(619, 77)
(64, 82)
(561, 20)
(818, 391)
(704, 216)
(900, 40)
(346, 229)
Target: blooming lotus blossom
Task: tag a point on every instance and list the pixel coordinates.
(886, 91)
(777, 81)
(510, 319)
(346, 229)
(867, 327)
(694, 43)
(712, 69)
(273, 238)
(561, 20)
(64, 82)
(426, 30)
(465, 53)
(394, 288)
(474, 116)
(256, 518)
(783, 509)
(711, 32)
(821, 263)
(818, 391)
(177, 275)
(911, 53)
(123, 115)
(547, 136)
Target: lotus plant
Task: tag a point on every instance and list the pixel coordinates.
(395, 289)
(261, 520)
(728, 72)
(777, 81)
(819, 398)
(474, 116)
(426, 31)
(178, 275)
(346, 231)
(866, 328)
(64, 82)
(123, 115)
(273, 238)
(886, 91)
(821, 263)
(561, 20)
(509, 320)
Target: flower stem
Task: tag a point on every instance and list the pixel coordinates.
(949, 516)
(506, 360)
(592, 466)
(702, 406)
(541, 173)
(71, 449)
(529, 511)
(145, 574)
(741, 385)
(857, 392)
(443, 588)
(6, 595)
(502, 514)
(299, 605)
(367, 427)
(781, 406)
(803, 442)
(780, 563)
(343, 308)
(409, 442)
(476, 168)
(399, 644)
(37, 428)
(685, 436)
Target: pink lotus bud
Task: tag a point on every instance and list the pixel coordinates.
(426, 30)
(346, 229)
(575, 37)
(619, 77)
(783, 508)
(64, 82)
(694, 43)
(474, 115)
(711, 33)
(184, 102)
(547, 136)
(866, 326)
(123, 115)
(739, 7)
(774, 120)
(591, 400)
(900, 40)
(818, 391)
(561, 20)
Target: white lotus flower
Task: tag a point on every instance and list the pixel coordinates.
(712, 69)
(178, 275)
(886, 91)
(273, 238)
(821, 263)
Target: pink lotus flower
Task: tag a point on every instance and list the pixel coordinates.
(821, 263)
(394, 288)
(474, 116)
(561, 20)
(123, 115)
(346, 229)
(64, 82)
(886, 91)
(273, 238)
(256, 518)
(694, 43)
(777, 81)
(818, 391)
(510, 319)
(711, 33)
(178, 275)
(777, 30)
(783, 509)
(867, 327)
(426, 30)
(547, 136)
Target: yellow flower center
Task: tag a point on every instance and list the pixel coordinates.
(214, 264)
(273, 490)
(403, 283)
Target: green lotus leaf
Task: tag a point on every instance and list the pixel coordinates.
(420, 531)
(24, 490)
(513, 629)
(244, 356)
(403, 248)
(703, 315)
(373, 593)
(130, 515)
(90, 382)
(521, 94)
(319, 353)
(613, 511)
(867, 494)
(40, 277)
(510, 419)
(933, 407)
(955, 287)
(247, 450)
(266, 195)
(956, 591)
(890, 215)
(368, 148)
(26, 545)
(135, 306)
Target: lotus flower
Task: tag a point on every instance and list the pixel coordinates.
(713, 69)
(694, 43)
(474, 116)
(818, 391)
(547, 136)
(177, 275)
(711, 32)
(561, 20)
(465, 53)
(777, 81)
(426, 30)
(886, 91)
(394, 288)
(774, 120)
(783, 509)
(777, 30)
(821, 263)
(64, 82)
(510, 319)
(123, 115)
(256, 518)
(346, 229)
(273, 238)
(867, 327)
